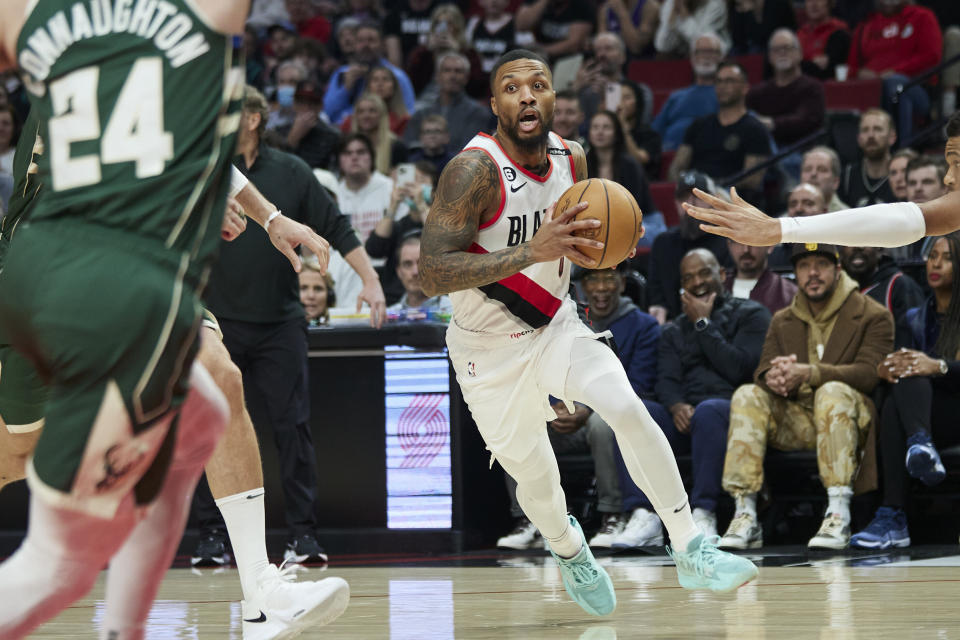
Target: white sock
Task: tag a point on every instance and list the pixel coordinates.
(244, 515)
(746, 504)
(678, 520)
(839, 501)
(568, 544)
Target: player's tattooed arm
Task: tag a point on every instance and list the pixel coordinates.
(469, 186)
(579, 160)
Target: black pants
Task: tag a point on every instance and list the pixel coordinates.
(914, 404)
(273, 361)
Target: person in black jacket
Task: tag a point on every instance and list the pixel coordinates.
(880, 278)
(705, 354)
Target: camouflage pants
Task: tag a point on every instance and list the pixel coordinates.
(834, 421)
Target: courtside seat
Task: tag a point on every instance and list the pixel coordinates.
(663, 196)
(661, 74)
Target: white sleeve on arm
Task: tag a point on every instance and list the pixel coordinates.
(237, 181)
(880, 225)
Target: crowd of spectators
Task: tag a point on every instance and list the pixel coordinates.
(733, 348)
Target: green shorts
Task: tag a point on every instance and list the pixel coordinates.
(22, 393)
(111, 323)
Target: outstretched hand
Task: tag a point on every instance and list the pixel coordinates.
(286, 235)
(738, 219)
(555, 238)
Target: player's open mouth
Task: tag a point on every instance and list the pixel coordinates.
(529, 120)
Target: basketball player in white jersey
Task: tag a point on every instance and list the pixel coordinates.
(893, 224)
(493, 242)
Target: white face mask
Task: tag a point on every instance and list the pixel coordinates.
(706, 69)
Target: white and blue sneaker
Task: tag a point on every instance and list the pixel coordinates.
(923, 461)
(704, 566)
(887, 529)
(284, 608)
(585, 580)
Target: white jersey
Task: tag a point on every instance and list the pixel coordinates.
(529, 299)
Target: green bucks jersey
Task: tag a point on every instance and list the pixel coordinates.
(140, 105)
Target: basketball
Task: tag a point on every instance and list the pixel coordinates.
(621, 221)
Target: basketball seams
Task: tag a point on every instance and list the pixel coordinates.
(606, 236)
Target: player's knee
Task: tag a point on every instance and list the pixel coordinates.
(226, 375)
(202, 419)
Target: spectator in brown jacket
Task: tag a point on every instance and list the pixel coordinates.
(819, 362)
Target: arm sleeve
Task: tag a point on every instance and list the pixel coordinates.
(325, 218)
(891, 224)
(735, 360)
(237, 181)
(669, 367)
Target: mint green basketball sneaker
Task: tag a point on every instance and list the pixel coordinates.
(585, 580)
(703, 566)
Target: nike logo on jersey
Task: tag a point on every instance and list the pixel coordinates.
(514, 189)
(262, 618)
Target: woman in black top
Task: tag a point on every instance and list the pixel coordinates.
(607, 157)
(923, 401)
(641, 141)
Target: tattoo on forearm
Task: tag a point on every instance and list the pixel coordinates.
(469, 186)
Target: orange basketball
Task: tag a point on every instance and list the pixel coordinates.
(621, 221)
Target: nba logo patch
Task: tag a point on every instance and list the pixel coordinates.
(471, 370)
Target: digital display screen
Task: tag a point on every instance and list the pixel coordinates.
(419, 480)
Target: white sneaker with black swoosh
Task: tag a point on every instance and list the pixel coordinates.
(284, 608)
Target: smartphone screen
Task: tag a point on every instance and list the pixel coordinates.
(614, 91)
(405, 173)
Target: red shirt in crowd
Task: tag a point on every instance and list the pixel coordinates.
(908, 42)
(813, 38)
(317, 28)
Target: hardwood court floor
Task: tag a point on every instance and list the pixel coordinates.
(522, 599)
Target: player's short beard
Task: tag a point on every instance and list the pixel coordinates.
(530, 145)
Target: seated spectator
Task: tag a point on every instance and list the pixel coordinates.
(705, 354)
(699, 99)
(349, 80)
(406, 27)
(560, 27)
(316, 294)
(824, 38)
(925, 176)
(865, 182)
(372, 120)
(819, 361)
(309, 136)
(642, 142)
(880, 278)
(634, 20)
(363, 194)
(492, 32)
(727, 142)
(674, 243)
(465, 117)
(821, 168)
(898, 172)
(753, 280)
(409, 205)
(289, 74)
(921, 406)
(597, 78)
(408, 271)
(447, 34)
(434, 144)
(900, 40)
(753, 23)
(281, 44)
(383, 83)
(607, 157)
(804, 200)
(310, 23)
(568, 116)
(344, 43)
(791, 105)
(682, 21)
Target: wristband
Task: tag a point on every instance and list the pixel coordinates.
(893, 224)
(237, 181)
(266, 225)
